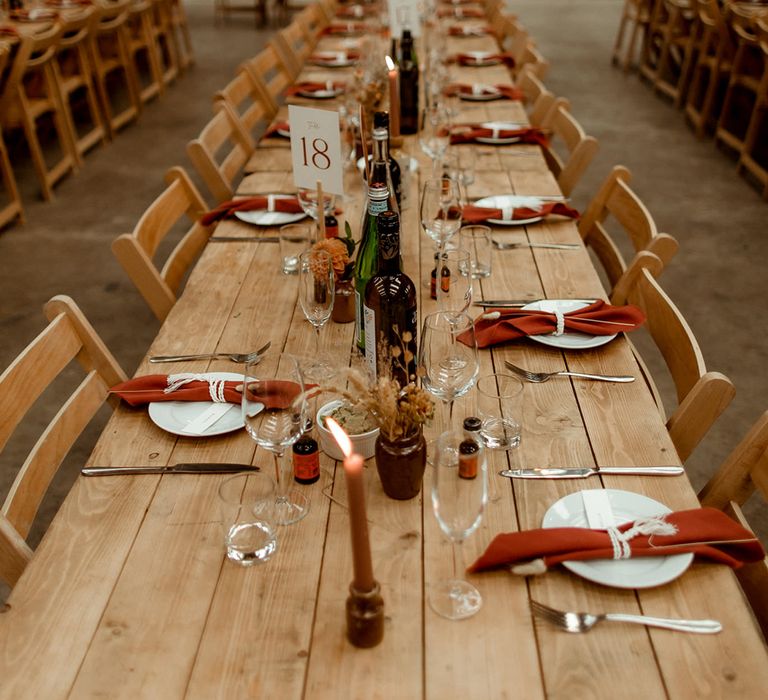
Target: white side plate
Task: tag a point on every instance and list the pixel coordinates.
(262, 217)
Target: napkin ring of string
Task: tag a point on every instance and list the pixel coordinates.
(215, 386)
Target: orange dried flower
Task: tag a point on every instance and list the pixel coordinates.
(338, 252)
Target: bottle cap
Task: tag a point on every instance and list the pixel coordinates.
(473, 424)
(381, 120)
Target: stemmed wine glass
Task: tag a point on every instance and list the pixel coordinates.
(316, 292)
(277, 425)
(458, 503)
(440, 213)
(435, 133)
(448, 362)
(309, 203)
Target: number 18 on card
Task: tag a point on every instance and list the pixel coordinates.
(316, 148)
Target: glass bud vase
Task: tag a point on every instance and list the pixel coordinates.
(401, 464)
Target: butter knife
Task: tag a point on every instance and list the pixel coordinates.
(584, 472)
(519, 303)
(181, 468)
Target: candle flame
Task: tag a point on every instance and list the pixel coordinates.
(390, 63)
(345, 444)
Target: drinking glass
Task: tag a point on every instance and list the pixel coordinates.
(476, 240)
(499, 407)
(448, 362)
(435, 133)
(316, 293)
(309, 202)
(294, 240)
(440, 213)
(455, 282)
(458, 504)
(246, 502)
(277, 425)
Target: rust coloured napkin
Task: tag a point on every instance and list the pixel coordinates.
(468, 59)
(288, 205)
(343, 29)
(506, 92)
(460, 30)
(309, 86)
(191, 387)
(706, 532)
(472, 214)
(512, 324)
(461, 12)
(349, 55)
(471, 132)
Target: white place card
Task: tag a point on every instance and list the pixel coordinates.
(404, 14)
(316, 148)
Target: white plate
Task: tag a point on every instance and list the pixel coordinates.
(173, 416)
(413, 164)
(320, 94)
(285, 133)
(501, 126)
(499, 201)
(643, 572)
(479, 59)
(569, 340)
(332, 59)
(489, 93)
(262, 217)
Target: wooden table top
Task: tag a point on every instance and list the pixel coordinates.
(130, 593)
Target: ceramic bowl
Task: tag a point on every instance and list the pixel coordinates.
(364, 443)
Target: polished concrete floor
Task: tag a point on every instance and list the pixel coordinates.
(692, 189)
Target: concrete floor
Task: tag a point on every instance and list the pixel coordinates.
(691, 187)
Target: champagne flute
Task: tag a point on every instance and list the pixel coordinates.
(458, 503)
(316, 292)
(448, 362)
(274, 410)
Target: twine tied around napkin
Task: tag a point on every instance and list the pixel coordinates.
(270, 202)
(497, 326)
(706, 532)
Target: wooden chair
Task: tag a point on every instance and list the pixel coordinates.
(221, 151)
(701, 395)
(246, 99)
(135, 251)
(615, 199)
(164, 36)
(271, 73)
(709, 75)
(180, 24)
(541, 104)
(116, 81)
(32, 93)
(328, 8)
(224, 8)
(578, 150)
(73, 71)
(744, 471)
(293, 47)
(311, 20)
(533, 61)
(143, 50)
(636, 16)
(68, 336)
(11, 207)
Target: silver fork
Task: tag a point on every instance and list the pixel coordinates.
(538, 377)
(240, 358)
(583, 622)
(500, 245)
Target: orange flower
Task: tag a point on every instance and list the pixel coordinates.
(338, 252)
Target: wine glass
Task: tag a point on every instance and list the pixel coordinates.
(435, 133)
(458, 503)
(277, 425)
(440, 213)
(316, 292)
(455, 281)
(310, 204)
(448, 362)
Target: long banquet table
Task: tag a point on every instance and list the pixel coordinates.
(130, 593)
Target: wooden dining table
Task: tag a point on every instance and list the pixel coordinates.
(130, 593)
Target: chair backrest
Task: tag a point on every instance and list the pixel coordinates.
(135, 251)
(270, 72)
(579, 150)
(68, 336)
(221, 151)
(246, 99)
(311, 20)
(617, 200)
(533, 60)
(701, 396)
(542, 103)
(744, 471)
(293, 47)
(76, 28)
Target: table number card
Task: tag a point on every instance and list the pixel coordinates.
(404, 14)
(316, 148)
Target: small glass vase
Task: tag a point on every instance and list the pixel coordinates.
(401, 464)
(344, 302)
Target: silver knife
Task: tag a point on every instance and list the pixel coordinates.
(515, 303)
(244, 239)
(584, 472)
(181, 468)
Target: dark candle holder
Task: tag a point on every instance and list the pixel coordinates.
(365, 617)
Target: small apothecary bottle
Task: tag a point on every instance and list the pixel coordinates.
(306, 460)
(469, 447)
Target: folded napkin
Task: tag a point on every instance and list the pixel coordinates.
(501, 325)
(309, 86)
(8, 31)
(706, 532)
(342, 29)
(355, 12)
(197, 387)
(288, 205)
(468, 59)
(471, 132)
(472, 214)
(332, 57)
(460, 30)
(33, 15)
(277, 127)
(67, 3)
(461, 12)
(506, 92)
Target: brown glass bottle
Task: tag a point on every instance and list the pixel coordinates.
(389, 309)
(306, 460)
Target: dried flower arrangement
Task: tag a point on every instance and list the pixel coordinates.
(341, 251)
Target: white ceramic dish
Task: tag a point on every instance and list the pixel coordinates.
(499, 201)
(481, 93)
(643, 572)
(262, 217)
(480, 59)
(363, 444)
(174, 416)
(569, 340)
